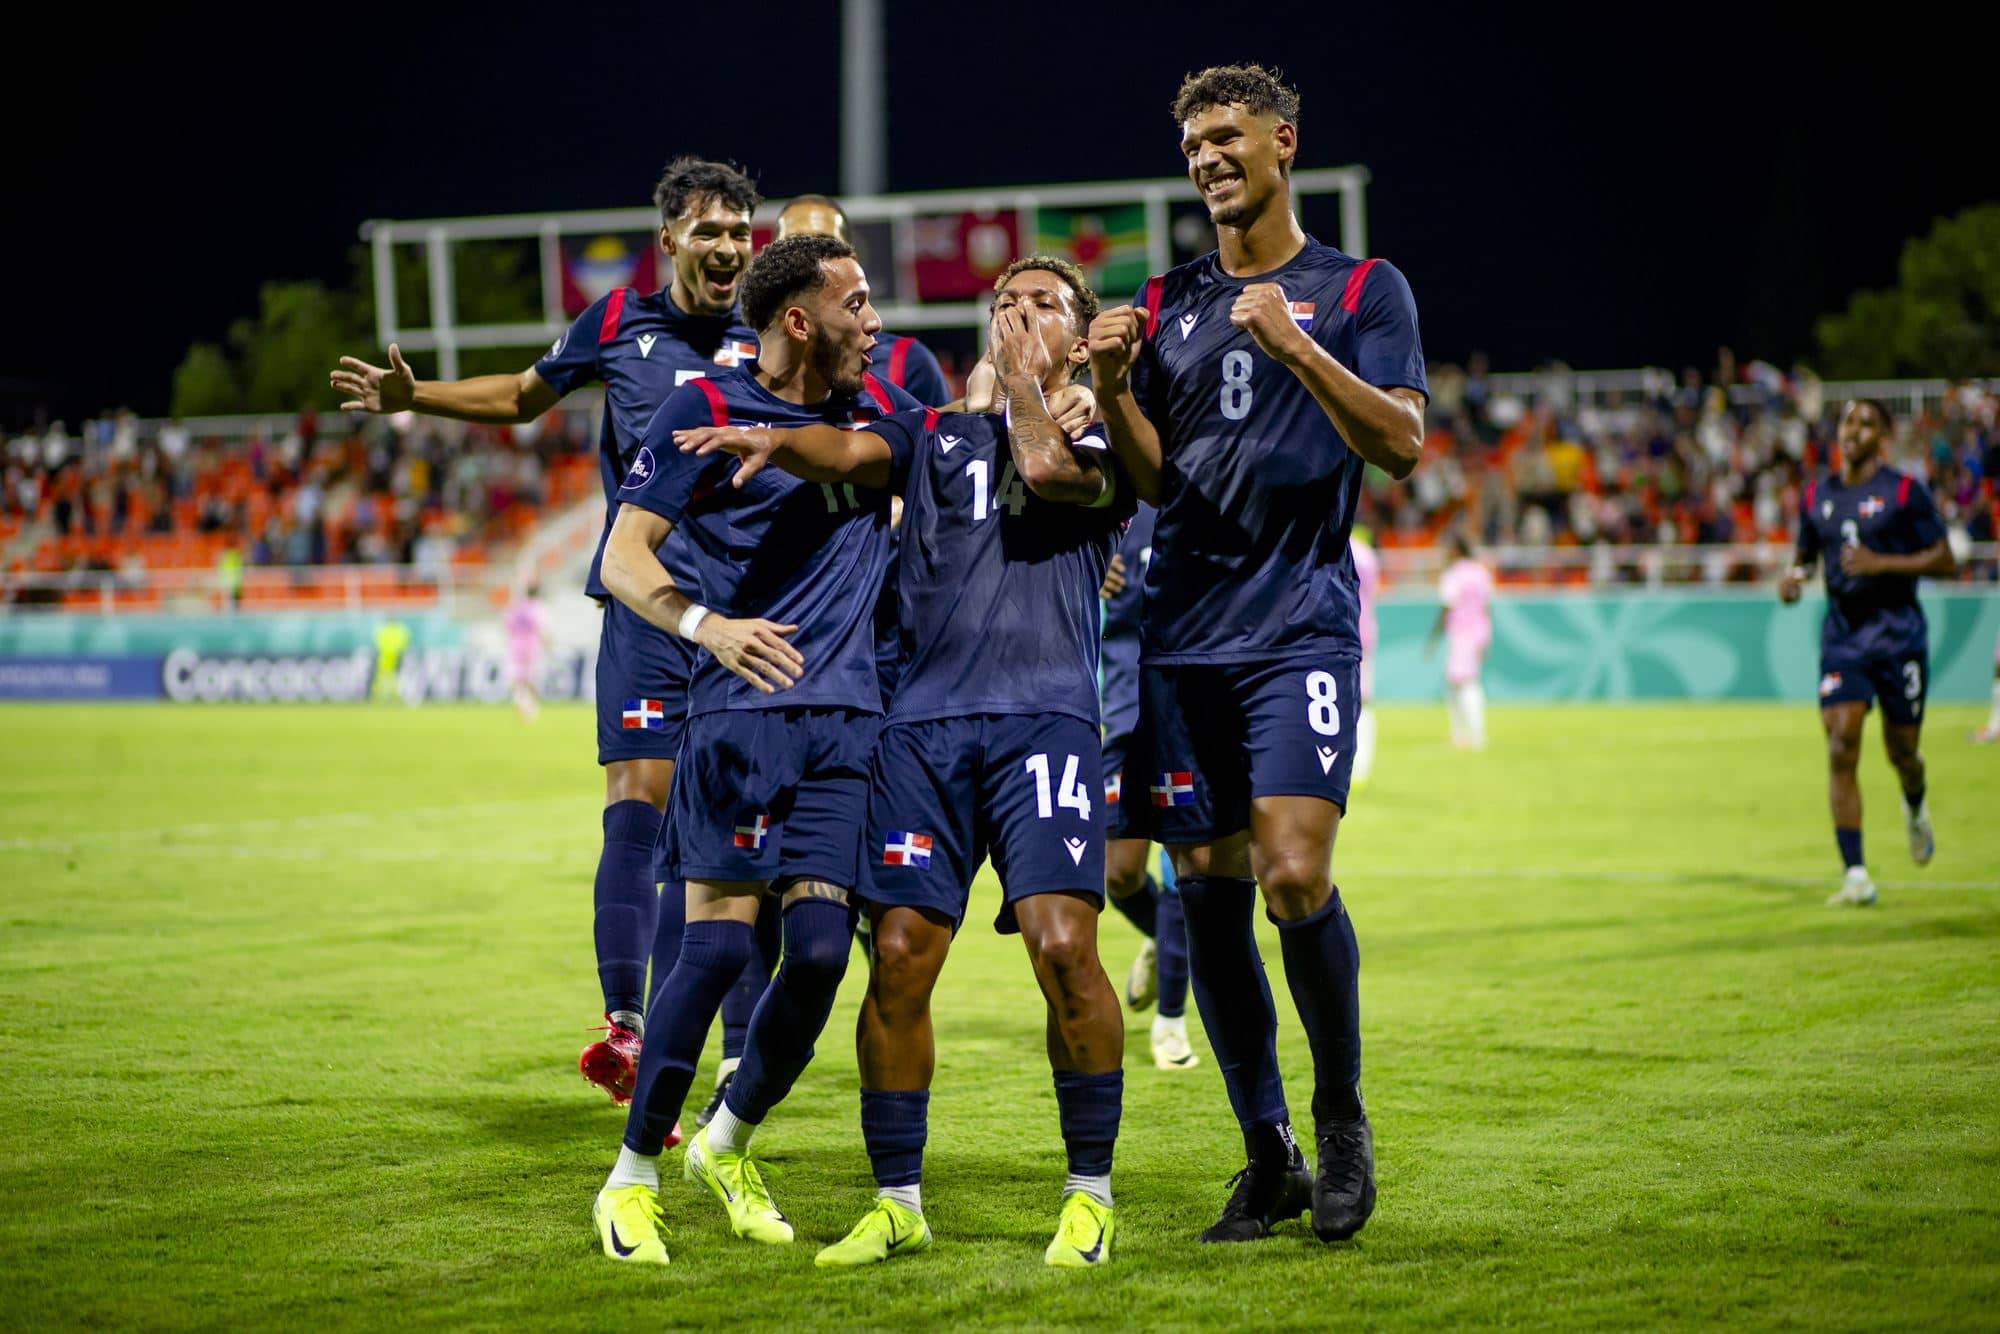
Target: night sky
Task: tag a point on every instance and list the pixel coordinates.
(1608, 189)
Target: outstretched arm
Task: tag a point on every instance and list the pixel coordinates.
(1116, 336)
(816, 453)
(499, 399)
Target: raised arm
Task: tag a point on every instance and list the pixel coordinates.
(1116, 337)
(498, 399)
(816, 453)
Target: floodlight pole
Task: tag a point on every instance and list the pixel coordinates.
(864, 141)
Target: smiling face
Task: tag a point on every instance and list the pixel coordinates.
(1051, 310)
(843, 325)
(709, 245)
(1237, 159)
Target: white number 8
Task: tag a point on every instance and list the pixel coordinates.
(1236, 385)
(1324, 711)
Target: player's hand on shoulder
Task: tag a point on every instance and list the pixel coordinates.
(752, 444)
(1860, 561)
(1115, 338)
(756, 650)
(366, 388)
(1074, 408)
(1262, 311)
(1114, 578)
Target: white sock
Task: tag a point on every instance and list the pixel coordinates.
(911, 1197)
(728, 1132)
(1097, 1188)
(634, 1169)
(1993, 718)
(726, 1068)
(1364, 745)
(1163, 1025)
(1475, 714)
(1454, 708)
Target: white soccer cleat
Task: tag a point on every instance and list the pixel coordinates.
(1142, 984)
(1917, 823)
(1171, 1050)
(1856, 890)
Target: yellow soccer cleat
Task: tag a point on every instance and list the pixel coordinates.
(628, 1224)
(735, 1180)
(884, 1232)
(1083, 1236)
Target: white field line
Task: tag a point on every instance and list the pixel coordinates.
(166, 840)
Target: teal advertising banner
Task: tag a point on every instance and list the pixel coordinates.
(54, 635)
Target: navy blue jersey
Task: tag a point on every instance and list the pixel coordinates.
(909, 365)
(996, 587)
(1121, 628)
(642, 348)
(798, 553)
(1258, 489)
(1890, 512)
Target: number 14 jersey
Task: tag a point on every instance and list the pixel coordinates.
(1257, 489)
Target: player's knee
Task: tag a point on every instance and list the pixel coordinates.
(1843, 752)
(1066, 953)
(1123, 881)
(1295, 884)
(904, 970)
(821, 957)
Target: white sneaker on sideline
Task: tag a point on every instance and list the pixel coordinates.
(1856, 890)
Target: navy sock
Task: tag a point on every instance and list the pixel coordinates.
(1142, 908)
(1850, 846)
(894, 1126)
(1234, 995)
(1323, 968)
(712, 954)
(667, 937)
(1173, 956)
(794, 1009)
(626, 903)
(1088, 1107)
(1914, 799)
(741, 1002)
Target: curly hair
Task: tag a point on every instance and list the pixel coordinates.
(784, 271)
(692, 182)
(1261, 90)
(1079, 286)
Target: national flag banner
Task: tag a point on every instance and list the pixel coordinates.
(1114, 787)
(1174, 789)
(648, 714)
(734, 352)
(751, 835)
(957, 256)
(596, 266)
(1108, 244)
(904, 849)
(1302, 314)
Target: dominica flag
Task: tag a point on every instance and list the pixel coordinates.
(734, 352)
(650, 714)
(1174, 789)
(752, 835)
(905, 849)
(1108, 242)
(1302, 314)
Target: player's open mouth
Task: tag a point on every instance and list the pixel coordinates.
(722, 282)
(1218, 187)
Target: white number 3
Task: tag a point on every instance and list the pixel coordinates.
(1324, 710)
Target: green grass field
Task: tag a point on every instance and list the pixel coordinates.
(290, 1002)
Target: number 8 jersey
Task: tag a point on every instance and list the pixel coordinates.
(1257, 489)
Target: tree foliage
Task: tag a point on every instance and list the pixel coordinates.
(1942, 318)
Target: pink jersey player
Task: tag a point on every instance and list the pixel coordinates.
(525, 622)
(1467, 592)
(1368, 575)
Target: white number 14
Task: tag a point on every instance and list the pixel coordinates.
(1070, 795)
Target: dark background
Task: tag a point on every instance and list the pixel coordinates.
(1610, 189)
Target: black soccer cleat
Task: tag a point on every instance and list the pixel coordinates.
(707, 1113)
(1343, 1193)
(1266, 1194)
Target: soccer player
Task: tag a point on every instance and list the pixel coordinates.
(526, 625)
(1886, 532)
(991, 744)
(783, 710)
(1367, 587)
(1160, 970)
(640, 347)
(1245, 392)
(1991, 732)
(1466, 623)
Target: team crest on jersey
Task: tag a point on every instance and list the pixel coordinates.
(1175, 788)
(1828, 684)
(751, 835)
(1302, 314)
(642, 468)
(907, 849)
(647, 715)
(734, 352)
(1873, 506)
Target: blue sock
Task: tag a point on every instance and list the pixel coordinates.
(626, 903)
(1850, 846)
(1323, 968)
(741, 1002)
(667, 937)
(794, 1009)
(1173, 956)
(1088, 1107)
(712, 954)
(1234, 996)
(894, 1126)
(1142, 908)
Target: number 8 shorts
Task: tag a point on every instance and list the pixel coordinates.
(1211, 737)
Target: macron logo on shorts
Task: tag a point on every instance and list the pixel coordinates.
(1114, 786)
(751, 835)
(650, 714)
(904, 849)
(1174, 789)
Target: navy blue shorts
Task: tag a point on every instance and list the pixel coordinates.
(771, 794)
(642, 687)
(1210, 738)
(1903, 680)
(1118, 820)
(947, 793)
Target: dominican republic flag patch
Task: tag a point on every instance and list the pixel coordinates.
(907, 850)
(1302, 314)
(1174, 789)
(735, 352)
(1114, 786)
(650, 714)
(1873, 506)
(751, 835)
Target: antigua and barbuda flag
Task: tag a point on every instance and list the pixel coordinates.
(905, 849)
(650, 714)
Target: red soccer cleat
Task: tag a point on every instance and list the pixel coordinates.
(612, 1063)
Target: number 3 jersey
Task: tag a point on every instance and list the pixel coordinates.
(996, 587)
(1257, 489)
(1890, 512)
